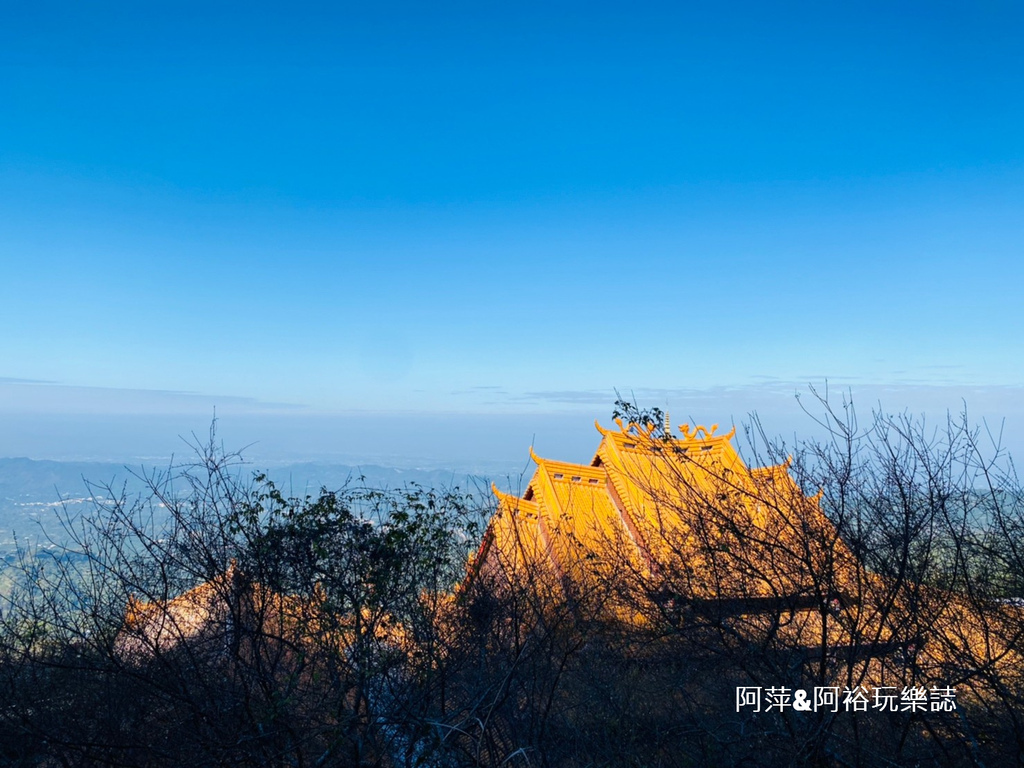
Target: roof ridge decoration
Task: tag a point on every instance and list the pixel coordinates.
(501, 495)
(698, 432)
(640, 430)
(513, 501)
(774, 468)
(699, 429)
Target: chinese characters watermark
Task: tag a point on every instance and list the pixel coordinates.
(909, 698)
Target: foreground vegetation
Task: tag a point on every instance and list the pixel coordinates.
(215, 622)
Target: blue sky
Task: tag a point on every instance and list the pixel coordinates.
(499, 213)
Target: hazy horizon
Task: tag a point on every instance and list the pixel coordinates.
(461, 441)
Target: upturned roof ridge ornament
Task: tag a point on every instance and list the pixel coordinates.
(700, 432)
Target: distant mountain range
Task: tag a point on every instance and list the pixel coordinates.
(32, 492)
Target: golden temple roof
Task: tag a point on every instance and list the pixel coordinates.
(648, 504)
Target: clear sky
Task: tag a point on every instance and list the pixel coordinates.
(496, 211)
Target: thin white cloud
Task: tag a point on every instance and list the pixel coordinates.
(13, 380)
(23, 396)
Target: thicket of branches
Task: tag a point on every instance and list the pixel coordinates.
(914, 581)
(340, 629)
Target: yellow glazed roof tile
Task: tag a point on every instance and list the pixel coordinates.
(646, 504)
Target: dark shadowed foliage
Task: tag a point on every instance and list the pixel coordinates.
(214, 621)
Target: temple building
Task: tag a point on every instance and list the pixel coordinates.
(678, 534)
(685, 510)
(678, 529)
